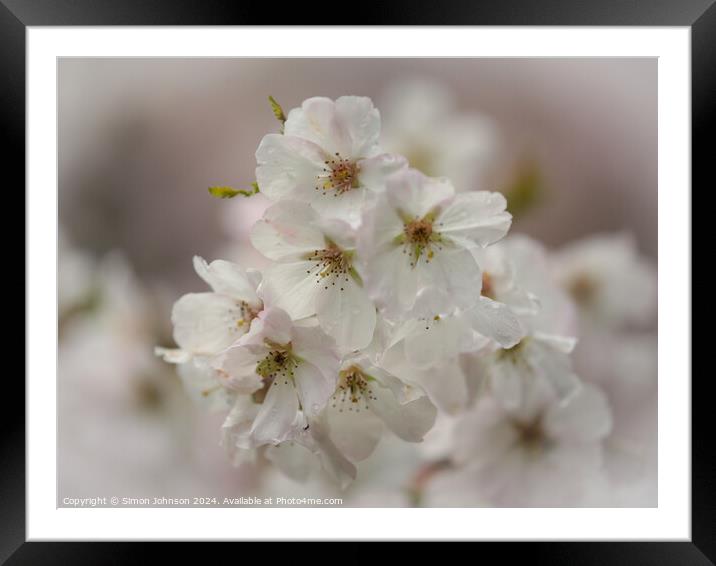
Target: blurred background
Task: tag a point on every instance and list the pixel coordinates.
(571, 142)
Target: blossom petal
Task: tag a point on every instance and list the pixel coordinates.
(292, 287)
(288, 167)
(292, 458)
(584, 417)
(273, 423)
(311, 344)
(227, 278)
(432, 342)
(409, 421)
(447, 389)
(354, 429)
(206, 323)
(479, 216)
(346, 313)
(495, 320)
(203, 386)
(374, 172)
(450, 280)
(361, 121)
(239, 367)
(317, 122)
(317, 439)
(349, 126)
(484, 435)
(415, 194)
(346, 206)
(506, 382)
(394, 281)
(272, 323)
(287, 231)
(314, 388)
(549, 361)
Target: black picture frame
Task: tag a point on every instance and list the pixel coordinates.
(699, 15)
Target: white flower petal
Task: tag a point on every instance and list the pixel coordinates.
(392, 281)
(292, 287)
(409, 421)
(484, 435)
(273, 423)
(584, 417)
(434, 341)
(374, 172)
(239, 365)
(317, 439)
(227, 279)
(361, 121)
(288, 167)
(272, 323)
(507, 383)
(495, 320)
(479, 216)
(415, 194)
(447, 388)
(172, 355)
(346, 206)
(553, 365)
(203, 386)
(346, 313)
(311, 344)
(292, 458)
(287, 231)
(206, 323)
(236, 428)
(354, 429)
(314, 388)
(451, 279)
(317, 122)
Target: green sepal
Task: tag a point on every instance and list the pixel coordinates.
(228, 192)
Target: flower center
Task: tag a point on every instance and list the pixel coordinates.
(353, 386)
(418, 232)
(331, 265)
(279, 363)
(513, 354)
(583, 289)
(245, 314)
(488, 286)
(531, 436)
(419, 237)
(339, 175)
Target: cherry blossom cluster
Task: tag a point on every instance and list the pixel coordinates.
(392, 300)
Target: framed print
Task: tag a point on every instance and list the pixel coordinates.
(423, 278)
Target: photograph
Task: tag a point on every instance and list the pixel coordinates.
(349, 282)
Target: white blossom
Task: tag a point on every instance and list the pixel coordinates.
(608, 279)
(421, 122)
(328, 156)
(316, 272)
(417, 239)
(544, 454)
(366, 401)
(292, 368)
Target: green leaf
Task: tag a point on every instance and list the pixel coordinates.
(228, 192)
(277, 111)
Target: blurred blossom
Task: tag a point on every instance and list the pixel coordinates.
(126, 427)
(421, 121)
(542, 455)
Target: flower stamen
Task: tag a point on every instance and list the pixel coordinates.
(353, 386)
(339, 175)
